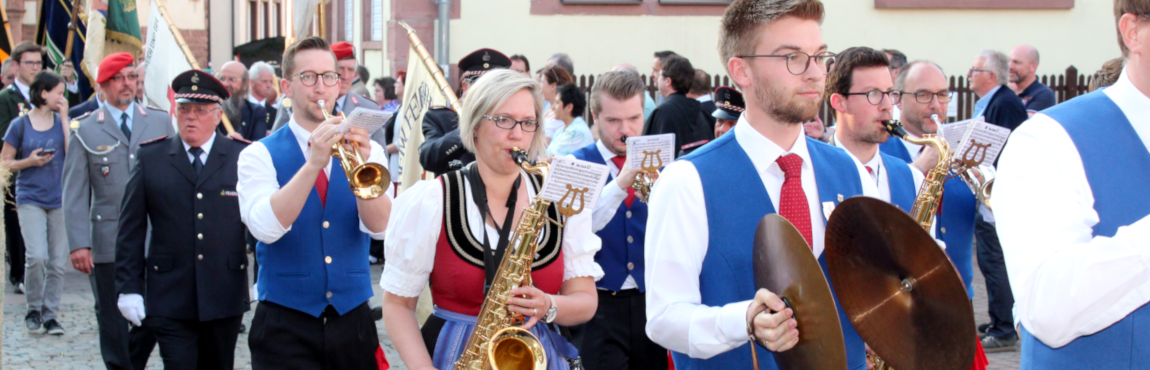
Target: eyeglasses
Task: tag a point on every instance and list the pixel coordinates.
(925, 97)
(309, 78)
(33, 64)
(199, 111)
(507, 123)
(798, 62)
(130, 77)
(875, 96)
(972, 70)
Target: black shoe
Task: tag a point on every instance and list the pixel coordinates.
(243, 328)
(19, 288)
(53, 328)
(992, 344)
(983, 329)
(377, 313)
(33, 321)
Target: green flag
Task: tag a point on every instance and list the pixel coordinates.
(123, 28)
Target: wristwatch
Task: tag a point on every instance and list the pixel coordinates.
(551, 312)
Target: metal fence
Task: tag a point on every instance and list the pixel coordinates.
(1066, 86)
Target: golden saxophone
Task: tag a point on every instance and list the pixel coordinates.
(497, 341)
(929, 194)
(367, 180)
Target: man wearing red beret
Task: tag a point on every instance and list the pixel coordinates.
(94, 182)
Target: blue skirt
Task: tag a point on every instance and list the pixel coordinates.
(457, 329)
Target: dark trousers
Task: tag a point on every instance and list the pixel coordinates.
(993, 266)
(194, 344)
(13, 236)
(282, 338)
(122, 348)
(616, 339)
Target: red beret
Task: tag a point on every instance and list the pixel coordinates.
(343, 50)
(112, 64)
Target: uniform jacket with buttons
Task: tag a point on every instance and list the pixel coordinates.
(441, 141)
(96, 170)
(196, 268)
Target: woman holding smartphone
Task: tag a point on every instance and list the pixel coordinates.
(31, 147)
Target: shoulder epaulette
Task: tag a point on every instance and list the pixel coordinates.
(82, 116)
(156, 140)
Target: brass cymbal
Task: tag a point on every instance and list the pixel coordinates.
(785, 265)
(898, 288)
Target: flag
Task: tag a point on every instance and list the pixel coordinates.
(94, 48)
(303, 11)
(6, 38)
(122, 31)
(420, 93)
(163, 59)
(52, 33)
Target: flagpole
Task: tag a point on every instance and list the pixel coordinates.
(187, 53)
(429, 63)
(71, 29)
(7, 26)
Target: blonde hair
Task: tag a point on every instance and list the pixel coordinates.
(737, 33)
(489, 93)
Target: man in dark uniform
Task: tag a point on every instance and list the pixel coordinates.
(729, 106)
(249, 120)
(195, 274)
(104, 147)
(441, 143)
(679, 114)
(89, 106)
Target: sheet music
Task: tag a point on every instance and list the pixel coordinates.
(656, 150)
(572, 179)
(367, 119)
(982, 144)
(954, 132)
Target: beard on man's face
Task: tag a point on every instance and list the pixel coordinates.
(233, 107)
(783, 105)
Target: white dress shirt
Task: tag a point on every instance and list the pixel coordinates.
(417, 222)
(677, 240)
(253, 100)
(257, 183)
(1068, 283)
(207, 147)
(881, 177)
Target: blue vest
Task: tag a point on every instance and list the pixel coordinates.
(956, 226)
(901, 181)
(733, 216)
(1101, 131)
(895, 148)
(295, 271)
(618, 253)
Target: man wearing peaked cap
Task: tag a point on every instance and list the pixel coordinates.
(729, 106)
(442, 145)
(194, 277)
(94, 178)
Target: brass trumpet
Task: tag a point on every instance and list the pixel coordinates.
(367, 180)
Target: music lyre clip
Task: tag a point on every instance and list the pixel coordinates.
(649, 157)
(968, 158)
(569, 209)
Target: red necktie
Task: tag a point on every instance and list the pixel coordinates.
(793, 205)
(321, 185)
(619, 160)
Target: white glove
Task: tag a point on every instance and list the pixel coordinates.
(132, 307)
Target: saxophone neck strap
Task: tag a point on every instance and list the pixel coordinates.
(491, 257)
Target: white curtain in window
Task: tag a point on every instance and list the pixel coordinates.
(376, 20)
(348, 17)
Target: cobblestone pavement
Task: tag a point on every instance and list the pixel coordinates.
(79, 348)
